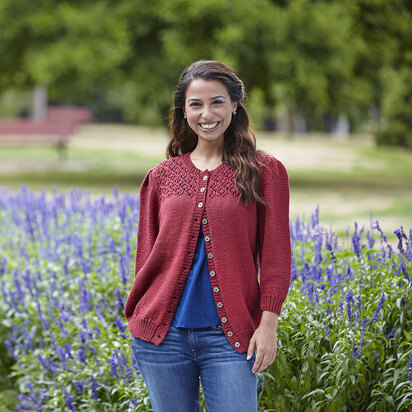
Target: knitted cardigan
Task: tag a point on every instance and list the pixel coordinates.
(248, 247)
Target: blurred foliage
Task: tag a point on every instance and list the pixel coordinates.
(14, 103)
(308, 56)
(397, 109)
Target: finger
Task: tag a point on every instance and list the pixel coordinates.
(266, 361)
(251, 349)
(258, 361)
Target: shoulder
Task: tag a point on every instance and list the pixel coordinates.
(162, 169)
(270, 166)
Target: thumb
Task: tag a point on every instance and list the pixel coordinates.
(251, 348)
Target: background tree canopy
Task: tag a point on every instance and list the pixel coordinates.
(310, 57)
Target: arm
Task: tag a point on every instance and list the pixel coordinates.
(148, 219)
(274, 260)
(147, 230)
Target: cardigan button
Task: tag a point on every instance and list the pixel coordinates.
(207, 239)
(204, 221)
(210, 256)
(230, 334)
(212, 273)
(224, 320)
(202, 189)
(200, 204)
(204, 177)
(237, 344)
(220, 305)
(216, 289)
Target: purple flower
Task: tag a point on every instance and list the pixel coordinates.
(340, 307)
(391, 333)
(381, 303)
(113, 363)
(10, 348)
(405, 272)
(363, 327)
(356, 241)
(349, 302)
(371, 239)
(69, 400)
(409, 373)
(81, 355)
(262, 380)
(79, 386)
(383, 236)
(400, 235)
(358, 306)
(355, 352)
(120, 325)
(94, 387)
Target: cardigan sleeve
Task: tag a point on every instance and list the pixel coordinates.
(274, 236)
(148, 227)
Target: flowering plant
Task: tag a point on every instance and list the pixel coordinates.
(344, 336)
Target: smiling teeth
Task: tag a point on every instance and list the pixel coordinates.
(209, 125)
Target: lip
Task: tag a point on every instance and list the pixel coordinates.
(209, 130)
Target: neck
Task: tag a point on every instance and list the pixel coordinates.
(208, 151)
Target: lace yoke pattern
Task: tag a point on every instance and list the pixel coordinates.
(176, 179)
(223, 184)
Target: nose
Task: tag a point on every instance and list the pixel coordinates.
(206, 112)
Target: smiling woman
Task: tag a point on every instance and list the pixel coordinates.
(209, 111)
(213, 253)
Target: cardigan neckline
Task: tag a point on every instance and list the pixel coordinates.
(194, 169)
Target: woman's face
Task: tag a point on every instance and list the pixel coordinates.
(209, 109)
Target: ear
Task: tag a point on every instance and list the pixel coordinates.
(234, 107)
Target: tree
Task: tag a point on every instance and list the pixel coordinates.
(307, 56)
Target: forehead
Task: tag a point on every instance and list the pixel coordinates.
(205, 89)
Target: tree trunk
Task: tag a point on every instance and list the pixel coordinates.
(39, 104)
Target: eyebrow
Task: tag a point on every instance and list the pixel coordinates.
(213, 98)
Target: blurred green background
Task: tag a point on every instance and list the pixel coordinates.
(329, 87)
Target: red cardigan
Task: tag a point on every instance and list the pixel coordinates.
(241, 242)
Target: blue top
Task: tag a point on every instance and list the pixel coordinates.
(197, 307)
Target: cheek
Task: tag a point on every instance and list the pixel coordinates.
(191, 122)
(227, 116)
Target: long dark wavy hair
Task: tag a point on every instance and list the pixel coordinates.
(239, 147)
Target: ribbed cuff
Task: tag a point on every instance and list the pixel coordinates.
(271, 303)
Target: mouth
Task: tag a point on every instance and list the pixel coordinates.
(208, 126)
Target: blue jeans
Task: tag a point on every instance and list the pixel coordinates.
(171, 372)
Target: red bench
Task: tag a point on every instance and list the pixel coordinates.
(61, 122)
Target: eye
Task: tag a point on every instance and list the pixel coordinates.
(194, 104)
(217, 101)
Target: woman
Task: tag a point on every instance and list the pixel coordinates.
(213, 253)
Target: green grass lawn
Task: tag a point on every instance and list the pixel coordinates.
(349, 180)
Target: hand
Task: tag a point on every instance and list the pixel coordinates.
(264, 342)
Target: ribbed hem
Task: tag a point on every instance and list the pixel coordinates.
(142, 328)
(271, 303)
